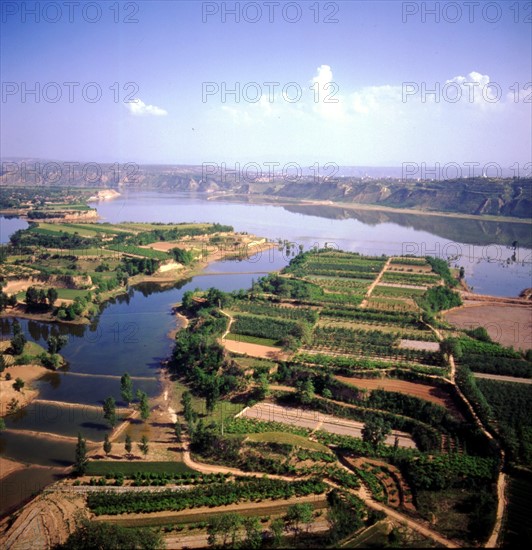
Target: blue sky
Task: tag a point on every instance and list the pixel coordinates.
(379, 57)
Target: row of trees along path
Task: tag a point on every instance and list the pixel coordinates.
(501, 480)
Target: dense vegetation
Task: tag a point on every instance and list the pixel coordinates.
(210, 495)
(510, 405)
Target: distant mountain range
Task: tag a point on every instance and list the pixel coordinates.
(508, 197)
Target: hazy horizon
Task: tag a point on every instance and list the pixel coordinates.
(351, 83)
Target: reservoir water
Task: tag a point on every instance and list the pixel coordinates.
(131, 333)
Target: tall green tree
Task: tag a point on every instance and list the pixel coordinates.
(144, 406)
(306, 392)
(277, 530)
(51, 296)
(56, 343)
(143, 446)
(17, 343)
(126, 388)
(178, 432)
(109, 411)
(253, 532)
(81, 461)
(375, 431)
(297, 516)
(186, 401)
(128, 445)
(224, 530)
(107, 445)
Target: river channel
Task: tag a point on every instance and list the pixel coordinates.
(131, 332)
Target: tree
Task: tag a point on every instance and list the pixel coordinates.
(451, 346)
(81, 461)
(126, 388)
(128, 445)
(143, 446)
(96, 534)
(344, 514)
(306, 392)
(18, 384)
(16, 327)
(297, 515)
(217, 298)
(56, 343)
(277, 529)
(264, 387)
(51, 295)
(107, 445)
(17, 343)
(2, 425)
(109, 411)
(223, 530)
(327, 393)
(253, 531)
(186, 401)
(2, 363)
(177, 431)
(375, 431)
(211, 389)
(187, 302)
(182, 256)
(144, 406)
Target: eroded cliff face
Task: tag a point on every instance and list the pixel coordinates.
(474, 196)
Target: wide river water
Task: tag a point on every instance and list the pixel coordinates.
(131, 332)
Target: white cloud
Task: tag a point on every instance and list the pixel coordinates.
(328, 102)
(137, 107)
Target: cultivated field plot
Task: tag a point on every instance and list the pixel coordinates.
(315, 420)
(237, 345)
(434, 394)
(418, 344)
(507, 324)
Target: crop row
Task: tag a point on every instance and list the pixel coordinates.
(273, 310)
(266, 327)
(137, 251)
(210, 495)
(410, 278)
(241, 426)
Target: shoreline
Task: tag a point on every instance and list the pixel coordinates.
(285, 201)
(30, 374)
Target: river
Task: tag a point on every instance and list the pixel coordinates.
(131, 332)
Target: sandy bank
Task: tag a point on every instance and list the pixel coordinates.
(9, 466)
(28, 373)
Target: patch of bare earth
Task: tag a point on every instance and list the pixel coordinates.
(434, 394)
(29, 374)
(9, 466)
(254, 350)
(506, 323)
(419, 345)
(45, 522)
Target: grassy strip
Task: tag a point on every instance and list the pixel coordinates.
(251, 339)
(129, 468)
(289, 439)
